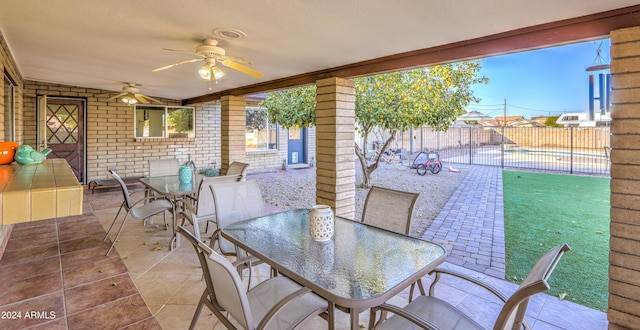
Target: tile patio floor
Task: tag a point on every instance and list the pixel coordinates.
(59, 266)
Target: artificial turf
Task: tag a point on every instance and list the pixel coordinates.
(545, 210)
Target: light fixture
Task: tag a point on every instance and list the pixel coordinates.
(129, 99)
(209, 71)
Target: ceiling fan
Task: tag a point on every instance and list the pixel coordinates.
(131, 95)
(211, 53)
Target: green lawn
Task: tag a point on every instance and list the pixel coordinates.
(545, 210)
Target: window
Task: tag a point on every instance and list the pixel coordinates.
(260, 134)
(9, 110)
(165, 122)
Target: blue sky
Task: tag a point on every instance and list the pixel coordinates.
(542, 82)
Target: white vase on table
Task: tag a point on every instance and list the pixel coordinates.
(321, 223)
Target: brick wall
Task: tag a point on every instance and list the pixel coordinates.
(624, 258)
(110, 132)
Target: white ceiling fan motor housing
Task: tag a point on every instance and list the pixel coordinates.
(209, 48)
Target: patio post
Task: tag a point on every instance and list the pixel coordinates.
(233, 122)
(335, 143)
(624, 256)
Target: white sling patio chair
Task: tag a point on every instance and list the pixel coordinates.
(429, 312)
(276, 303)
(391, 210)
(202, 205)
(140, 210)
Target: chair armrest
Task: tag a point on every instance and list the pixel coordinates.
(415, 319)
(281, 304)
(150, 198)
(486, 286)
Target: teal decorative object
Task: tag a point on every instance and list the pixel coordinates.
(26, 155)
(185, 174)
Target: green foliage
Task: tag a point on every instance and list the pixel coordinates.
(551, 121)
(432, 96)
(181, 120)
(294, 107)
(256, 119)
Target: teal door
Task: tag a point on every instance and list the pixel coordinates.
(297, 145)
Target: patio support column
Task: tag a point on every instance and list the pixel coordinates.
(335, 140)
(233, 122)
(624, 256)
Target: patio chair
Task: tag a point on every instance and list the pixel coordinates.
(162, 167)
(235, 202)
(391, 210)
(236, 168)
(276, 303)
(140, 210)
(429, 312)
(201, 205)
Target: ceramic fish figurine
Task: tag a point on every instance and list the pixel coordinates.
(26, 155)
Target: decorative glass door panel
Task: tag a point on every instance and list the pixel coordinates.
(64, 124)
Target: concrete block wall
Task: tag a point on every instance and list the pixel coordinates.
(624, 257)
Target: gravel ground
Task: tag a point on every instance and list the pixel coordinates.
(295, 188)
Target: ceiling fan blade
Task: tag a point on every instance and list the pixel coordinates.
(141, 99)
(147, 98)
(223, 58)
(117, 96)
(181, 51)
(175, 64)
(243, 69)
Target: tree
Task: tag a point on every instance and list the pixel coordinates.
(551, 122)
(396, 101)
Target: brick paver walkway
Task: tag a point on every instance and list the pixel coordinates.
(471, 225)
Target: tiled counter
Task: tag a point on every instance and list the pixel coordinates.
(38, 191)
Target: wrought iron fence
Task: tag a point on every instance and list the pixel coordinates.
(571, 149)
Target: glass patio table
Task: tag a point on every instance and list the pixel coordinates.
(360, 267)
(169, 186)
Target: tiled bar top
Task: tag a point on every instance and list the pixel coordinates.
(38, 191)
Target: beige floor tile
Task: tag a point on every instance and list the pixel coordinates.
(180, 316)
(190, 293)
(158, 288)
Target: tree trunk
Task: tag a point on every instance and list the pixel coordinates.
(366, 168)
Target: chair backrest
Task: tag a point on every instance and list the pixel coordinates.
(235, 202)
(123, 186)
(512, 314)
(237, 168)
(225, 289)
(162, 167)
(205, 206)
(389, 209)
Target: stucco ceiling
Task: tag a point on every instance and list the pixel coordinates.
(103, 44)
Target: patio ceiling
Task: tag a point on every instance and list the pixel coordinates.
(103, 44)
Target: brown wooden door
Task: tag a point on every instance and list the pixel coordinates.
(65, 132)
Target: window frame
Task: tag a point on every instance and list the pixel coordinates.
(167, 109)
(9, 108)
(272, 128)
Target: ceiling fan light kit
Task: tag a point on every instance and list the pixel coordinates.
(211, 53)
(131, 95)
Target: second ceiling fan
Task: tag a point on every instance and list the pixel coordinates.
(211, 54)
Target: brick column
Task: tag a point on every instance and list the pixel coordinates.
(233, 123)
(335, 139)
(624, 258)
